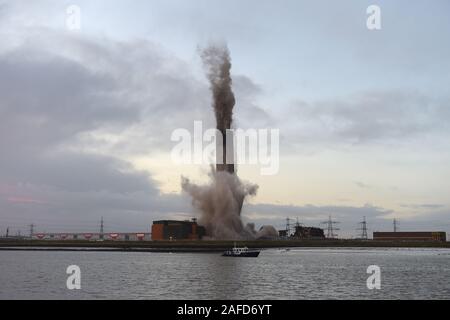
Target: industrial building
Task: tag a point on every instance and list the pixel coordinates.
(111, 236)
(308, 233)
(177, 230)
(410, 236)
(283, 233)
(301, 232)
(161, 230)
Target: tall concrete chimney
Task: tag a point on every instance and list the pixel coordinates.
(225, 154)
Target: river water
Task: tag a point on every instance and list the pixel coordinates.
(306, 273)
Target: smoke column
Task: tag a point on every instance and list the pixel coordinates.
(218, 65)
(220, 201)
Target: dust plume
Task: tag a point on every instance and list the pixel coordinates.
(220, 201)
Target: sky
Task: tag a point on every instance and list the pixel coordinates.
(86, 115)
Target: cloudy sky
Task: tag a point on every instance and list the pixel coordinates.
(86, 115)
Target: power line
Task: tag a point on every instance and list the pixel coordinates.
(298, 224)
(288, 227)
(330, 228)
(395, 223)
(101, 228)
(363, 229)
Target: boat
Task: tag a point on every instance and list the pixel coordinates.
(241, 252)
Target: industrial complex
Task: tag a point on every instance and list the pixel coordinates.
(161, 230)
(302, 232)
(175, 230)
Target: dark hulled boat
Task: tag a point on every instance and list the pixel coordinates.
(241, 252)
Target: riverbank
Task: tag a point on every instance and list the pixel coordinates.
(205, 246)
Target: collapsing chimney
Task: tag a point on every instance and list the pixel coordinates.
(220, 201)
(218, 63)
(225, 152)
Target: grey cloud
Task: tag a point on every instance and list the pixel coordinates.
(82, 86)
(423, 206)
(362, 185)
(77, 172)
(50, 99)
(50, 95)
(249, 114)
(369, 118)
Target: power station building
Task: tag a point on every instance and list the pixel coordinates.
(301, 232)
(177, 230)
(308, 233)
(410, 236)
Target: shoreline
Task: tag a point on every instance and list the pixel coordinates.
(202, 246)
